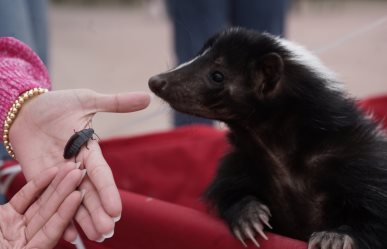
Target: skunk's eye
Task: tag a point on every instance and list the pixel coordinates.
(217, 76)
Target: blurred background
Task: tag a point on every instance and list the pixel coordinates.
(116, 45)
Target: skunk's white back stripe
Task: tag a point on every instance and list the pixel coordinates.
(308, 59)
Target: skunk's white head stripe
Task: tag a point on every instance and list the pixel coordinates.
(190, 62)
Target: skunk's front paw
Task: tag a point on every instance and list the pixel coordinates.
(330, 240)
(247, 218)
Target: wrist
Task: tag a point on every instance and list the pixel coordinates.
(13, 113)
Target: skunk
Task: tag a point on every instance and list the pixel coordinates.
(304, 158)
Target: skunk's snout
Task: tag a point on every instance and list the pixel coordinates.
(157, 83)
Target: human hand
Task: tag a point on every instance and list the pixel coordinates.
(27, 222)
(38, 137)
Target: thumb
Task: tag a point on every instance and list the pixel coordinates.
(121, 102)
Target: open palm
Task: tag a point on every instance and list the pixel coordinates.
(40, 132)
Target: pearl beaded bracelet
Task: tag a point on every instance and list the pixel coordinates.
(12, 113)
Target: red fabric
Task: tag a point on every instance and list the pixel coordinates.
(151, 223)
(161, 177)
(377, 106)
(169, 172)
(172, 166)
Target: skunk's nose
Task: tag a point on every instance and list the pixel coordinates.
(157, 83)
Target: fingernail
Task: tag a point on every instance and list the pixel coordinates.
(83, 192)
(83, 174)
(109, 235)
(117, 218)
(77, 239)
(100, 240)
(78, 165)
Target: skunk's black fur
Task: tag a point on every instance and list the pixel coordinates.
(301, 146)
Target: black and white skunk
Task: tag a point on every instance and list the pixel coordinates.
(304, 159)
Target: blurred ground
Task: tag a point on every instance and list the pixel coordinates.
(115, 49)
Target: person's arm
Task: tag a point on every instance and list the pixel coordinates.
(20, 70)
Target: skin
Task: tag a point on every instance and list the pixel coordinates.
(27, 222)
(40, 132)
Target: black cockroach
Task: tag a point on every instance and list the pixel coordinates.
(76, 141)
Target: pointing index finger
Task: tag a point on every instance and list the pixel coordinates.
(101, 176)
(25, 196)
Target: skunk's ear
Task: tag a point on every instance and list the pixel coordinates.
(269, 71)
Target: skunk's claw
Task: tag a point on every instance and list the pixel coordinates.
(245, 230)
(250, 235)
(250, 220)
(265, 209)
(259, 229)
(238, 234)
(330, 240)
(265, 219)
